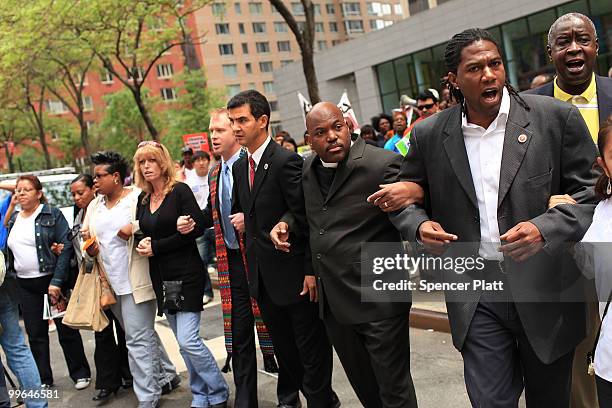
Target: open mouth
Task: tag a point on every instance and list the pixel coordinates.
(574, 65)
(490, 94)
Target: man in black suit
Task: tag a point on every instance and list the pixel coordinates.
(371, 339)
(229, 255)
(267, 184)
(488, 167)
(573, 47)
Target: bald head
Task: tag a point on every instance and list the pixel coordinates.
(328, 133)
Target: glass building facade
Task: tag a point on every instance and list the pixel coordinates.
(523, 43)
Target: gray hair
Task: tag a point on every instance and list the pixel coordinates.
(566, 17)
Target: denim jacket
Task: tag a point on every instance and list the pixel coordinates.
(50, 226)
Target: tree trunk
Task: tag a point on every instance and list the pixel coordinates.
(43, 144)
(84, 135)
(310, 75)
(144, 112)
(9, 158)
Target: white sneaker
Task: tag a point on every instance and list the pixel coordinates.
(82, 383)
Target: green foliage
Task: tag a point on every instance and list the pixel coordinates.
(30, 159)
(123, 127)
(191, 113)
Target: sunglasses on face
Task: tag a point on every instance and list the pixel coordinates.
(428, 106)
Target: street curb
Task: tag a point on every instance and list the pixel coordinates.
(429, 319)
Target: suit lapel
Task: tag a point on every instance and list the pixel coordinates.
(604, 98)
(454, 146)
(345, 168)
(516, 142)
(310, 180)
(261, 172)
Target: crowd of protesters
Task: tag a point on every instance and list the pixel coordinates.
(476, 161)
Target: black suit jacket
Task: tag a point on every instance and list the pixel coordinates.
(341, 222)
(277, 188)
(556, 158)
(604, 95)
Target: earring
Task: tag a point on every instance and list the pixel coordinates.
(609, 188)
(116, 181)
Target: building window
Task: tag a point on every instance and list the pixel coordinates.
(266, 66)
(377, 24)
(286, 62)
(333, 27)
(284, 46)
(374, 9)
(226, 49)
(321, 45)
(55, 107)
(222, 28)
(351, 9)
(255, 8)
(416, 6)
(251, 85)
(230, 70)
(237, 8)
(262, 47)
(136, 72)
(241, 28)
(386, 9)
(233, 90)
(317, 10)
(245, 48)
(274, 106)
(354, 26)
(280, 27)
(168, 94)
(87, 104)
(336, 42)
(218, 9)
(297, 9)
(164, 71)
(248, 67)
(107, 77)
(397, 8)
(268, 87)
(319, 28)
(259, 28)
(330, 8)
(90, 124)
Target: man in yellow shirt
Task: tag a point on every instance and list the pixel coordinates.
(573, 47)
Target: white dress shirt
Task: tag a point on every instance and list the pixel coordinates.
(259, 152)
(230, 164)
(484, 149)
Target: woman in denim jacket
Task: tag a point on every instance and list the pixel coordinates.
(32, 232)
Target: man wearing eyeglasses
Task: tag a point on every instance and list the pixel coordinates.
(427, 104)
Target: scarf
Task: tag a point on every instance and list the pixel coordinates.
(265, 342)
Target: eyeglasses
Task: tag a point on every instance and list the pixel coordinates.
(99, 176)
(428, 106)
(24, 190)
(149, 143)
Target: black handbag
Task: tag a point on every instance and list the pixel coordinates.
(173, 296)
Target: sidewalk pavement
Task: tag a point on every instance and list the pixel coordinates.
(437, 370)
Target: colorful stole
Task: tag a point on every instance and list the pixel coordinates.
(265, 342)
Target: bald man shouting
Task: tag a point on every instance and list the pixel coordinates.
(371, 339)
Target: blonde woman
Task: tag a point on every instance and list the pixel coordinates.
(176, 267)
(108, 217)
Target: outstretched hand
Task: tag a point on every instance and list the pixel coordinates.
(434, 238)
(280, 236)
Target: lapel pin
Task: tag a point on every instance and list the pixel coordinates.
(266, 166)
(522, 138)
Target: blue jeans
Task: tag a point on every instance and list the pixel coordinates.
(207, 384)
(18, 354)
(206, 248)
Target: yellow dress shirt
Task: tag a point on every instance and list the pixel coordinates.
(586, 102)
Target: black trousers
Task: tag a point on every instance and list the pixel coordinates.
(31, 293)
(301, 346)
(499, 362)
(244, 359)
(604, 392)
(110, 355)
(376, 359)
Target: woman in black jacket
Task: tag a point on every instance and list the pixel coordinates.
(175, 266)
